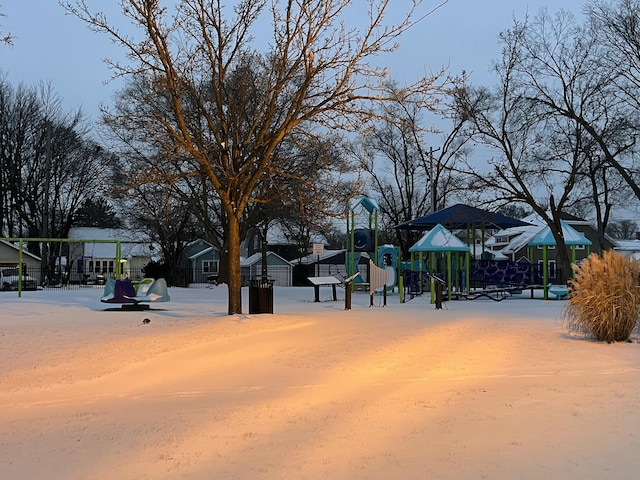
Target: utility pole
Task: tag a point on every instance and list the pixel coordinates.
(432, 179)
(46, 214)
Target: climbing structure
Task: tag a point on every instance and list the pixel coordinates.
(362, 238)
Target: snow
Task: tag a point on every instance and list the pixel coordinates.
(479, 389)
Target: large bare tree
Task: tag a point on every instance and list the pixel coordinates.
(238, 79)
(48, 165)
(536, 156)
(408, 177)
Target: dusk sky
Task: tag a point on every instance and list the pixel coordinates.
(52, 46)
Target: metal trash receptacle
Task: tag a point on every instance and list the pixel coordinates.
(261, 295)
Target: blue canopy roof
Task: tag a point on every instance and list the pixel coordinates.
(571, 237)
(462, 217)
(439, 239)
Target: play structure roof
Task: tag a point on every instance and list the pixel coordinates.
(570, 234)
(439, 239)
(462, 217)
(369, 204)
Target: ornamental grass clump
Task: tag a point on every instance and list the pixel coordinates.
(605, 299)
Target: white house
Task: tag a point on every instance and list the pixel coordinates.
(93, 259)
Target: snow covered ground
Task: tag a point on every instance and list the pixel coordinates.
(479, 389)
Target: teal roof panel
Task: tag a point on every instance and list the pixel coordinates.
(439, 239)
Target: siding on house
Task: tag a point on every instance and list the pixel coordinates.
(202, 260)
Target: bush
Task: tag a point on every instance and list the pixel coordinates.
(604, 297)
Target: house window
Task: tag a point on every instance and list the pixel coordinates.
(551, 266)
(210, 266)
(110, 266)
(550, 247)
(98, 266)
(579, 247)
(90, 269)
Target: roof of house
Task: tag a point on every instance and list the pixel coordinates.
(627, 245)
(202, 252)
(132, 243)
(257, 258)
(97, 233)
(17, 249)
(522, 236)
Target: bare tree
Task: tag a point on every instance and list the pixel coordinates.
(313, 192)
(49, 166)
(570, 71)
(6, 38)
(563, 134)
(617, 28)
(537, 156)
(231, 105)
(408, 178)
(623, 229)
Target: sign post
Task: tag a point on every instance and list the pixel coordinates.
(318, 249)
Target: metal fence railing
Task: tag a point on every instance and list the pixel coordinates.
(39, 278)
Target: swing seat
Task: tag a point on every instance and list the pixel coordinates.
(124, 292)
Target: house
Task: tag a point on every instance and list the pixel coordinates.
(93, 257)
(278, 269)
(201, 260)
(513, 243)
(10, 257)
(628, 248)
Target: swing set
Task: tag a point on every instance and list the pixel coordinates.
(22, 241)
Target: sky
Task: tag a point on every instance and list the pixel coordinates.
(53, 47)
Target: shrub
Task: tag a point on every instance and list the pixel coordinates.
(604, 297)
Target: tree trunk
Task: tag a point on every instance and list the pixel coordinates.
(234, 283)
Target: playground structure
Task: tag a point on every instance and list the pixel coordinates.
(364, 240)
(440, 263)
(470, 278)
(445, 255)
(135, 295)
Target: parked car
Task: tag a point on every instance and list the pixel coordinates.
(9, 279)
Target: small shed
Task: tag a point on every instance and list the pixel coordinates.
(437, 242)
(278, 269)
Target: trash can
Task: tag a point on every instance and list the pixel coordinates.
(261, 295)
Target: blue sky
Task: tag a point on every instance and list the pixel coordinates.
(51, 46)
